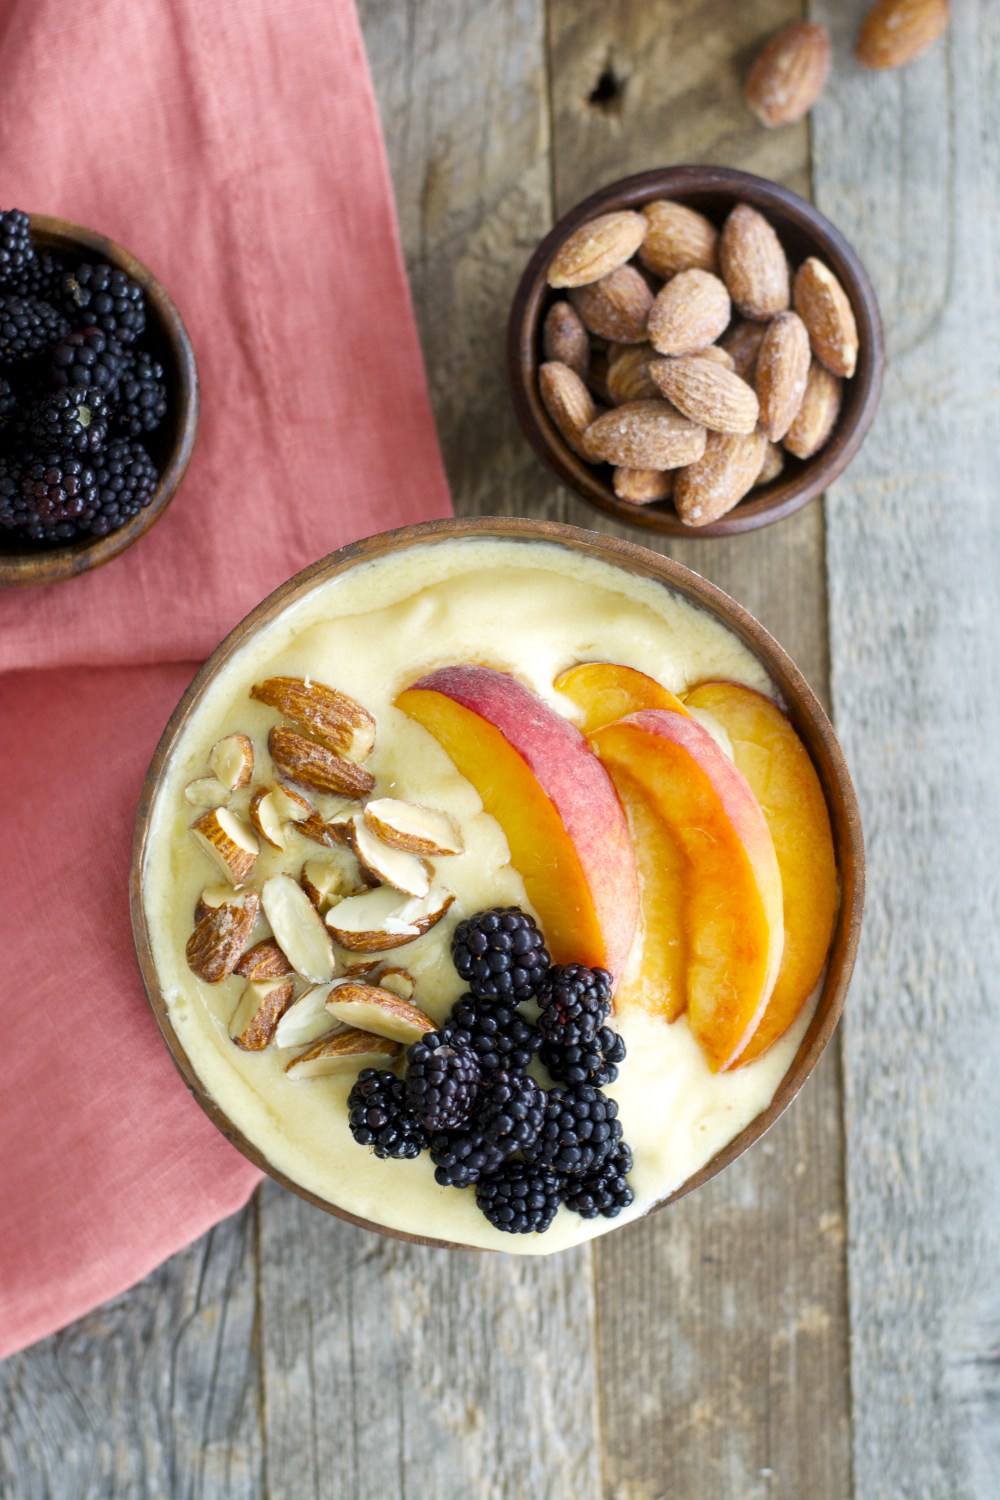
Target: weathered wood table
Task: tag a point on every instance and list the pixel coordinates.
(822, 1321)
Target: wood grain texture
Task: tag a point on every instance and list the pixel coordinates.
(914, 554)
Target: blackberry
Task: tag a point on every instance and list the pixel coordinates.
(378, 1117)
(106, 298)
(500, 954)
(593, 1062)
(520, 1199)
(497, 1033)
(461, 1157)
(27, 326)
(11, 503)
(56, 498)
(142, 395)
(442, 1081)
(511, 1112)
(8, 402)
(41, 277)
(87, 357)
(605, 1191)
(579, 1133)
(575, 1002)
(71, 420)
(126, 481)
(16, 253)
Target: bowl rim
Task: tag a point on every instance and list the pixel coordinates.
(804, 709)
(53, 565)
(783, 496)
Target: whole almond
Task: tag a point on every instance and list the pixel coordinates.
(568, 402)
(788, 74)
(742, 343)
(771, 468)
(645, 435)
(707, 393)
(896, 31)
(782, 370)
(726, 472)
(817, 416)
(616, 307)
(753, 264)
(688, 313)
(564, 338)
(823, 306)
(642, 486)
(597, 248)
(678, 239)
(628, 375)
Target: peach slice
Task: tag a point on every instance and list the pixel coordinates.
(777, 766)
(732, 918)
(659, 984)
(606, 691)
(553, 799)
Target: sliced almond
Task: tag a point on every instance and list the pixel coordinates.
(564, 338)
(344, 1052)
(678, 239)
(616, 307)
(568, 402)
(385, 865)
(400, 981)
(231, 760)
(770, 469)
(596, 248)
(372, 1008)
(228, 842)
(325, 884)
(310, 764)
(690, 312)
(333, 719)
(412, 827)
(817, 416)
(382, 919)
(214, 896)
(646, 435)
(264, 818)
(824, 308)
(256, 1017)
(291, 806)
(642, 486)
(710, 488)
(707, 393)
(298, 928)
(307, 1018)
(753, 264)
(264, 960)
(219, 938)
(207, 791)
(782, 370)
(330, 832)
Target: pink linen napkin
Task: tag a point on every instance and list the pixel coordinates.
(236, 150)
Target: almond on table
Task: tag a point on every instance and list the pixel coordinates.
(894, 32)
(789, 73)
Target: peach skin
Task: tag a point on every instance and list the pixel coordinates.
(607, 691)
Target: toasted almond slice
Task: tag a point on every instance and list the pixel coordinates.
(256, 1018)
(231, 760)
(332, 833)
(332, 718)
(310, 764)
(290, 806)
(346, 1051)
(307, 1018)
(373, 1008)
(215, 945)
(385, 865)
(207, 791)
(413, 828)
(265, 820)
(264, 960)
(216, 895)
(326, 884)
(298, 928)
(380, 920)
(228, 842)
(400, 981)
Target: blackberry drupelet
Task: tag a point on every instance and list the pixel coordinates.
(605, 1191)
(126, 481)
(41, 277)
(101, 296)
(497, 1033)
(70, 420)
(575, 1003)
(462, 1156)
(378, 1117)
(57, 498)
(27, 326)
(593, 1062)
(88, 357)
(142, 395)
(442, 1081)
(8, 402)
(520, 1199)
(580, 1130)
(11, 503)
(16, 253)
(500, 954)
(510, 1112)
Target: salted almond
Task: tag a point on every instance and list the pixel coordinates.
(718, 355)
(228, 842)
(742, 343)
(264, 960)
(310, 764)
(412, 828)
(646, 435)
(298, 928)
(678, 239)
(231, 760)
(330, 832)
(788, 74)
(326, 884)
(383, 919)
(707, 393)
(307, 1018)
(219, 938)
(628, 374)
(400, 981)
(256, 1017)
(782, 370)
(597, 248)
(207, 791)
(345, 1052)
(708, 489)
(385, 865)
(332, 718)
(568, 402)
(616, 307)
(771, 468)
(214, 896)
(817, 416)
(896, 31)
(642, 486)
(372, 1008)
(824, 308)
(753, 264)
(564, 338)
(688, 313)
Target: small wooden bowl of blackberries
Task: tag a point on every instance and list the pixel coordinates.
(98, 399)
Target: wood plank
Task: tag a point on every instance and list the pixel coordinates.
(723, 1322)
(914, 551)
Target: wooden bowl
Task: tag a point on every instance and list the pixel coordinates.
(805, 712)
(803, 231)
(170, 446)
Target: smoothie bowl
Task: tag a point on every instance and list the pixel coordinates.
(496, 882)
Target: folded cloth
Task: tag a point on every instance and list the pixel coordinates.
(235, 148)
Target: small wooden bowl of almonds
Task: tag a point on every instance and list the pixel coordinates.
(695, 350)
